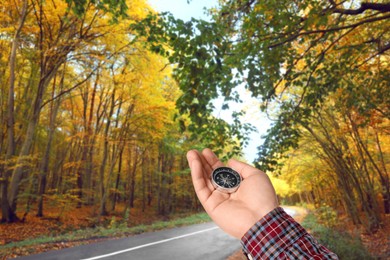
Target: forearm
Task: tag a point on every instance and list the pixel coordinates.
(279, 236)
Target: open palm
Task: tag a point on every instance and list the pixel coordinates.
(237, 212)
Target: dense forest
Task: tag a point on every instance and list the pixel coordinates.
(87, 113)
(100, 100)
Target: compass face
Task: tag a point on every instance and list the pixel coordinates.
(226, 179)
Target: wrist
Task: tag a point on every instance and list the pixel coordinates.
(255, 217)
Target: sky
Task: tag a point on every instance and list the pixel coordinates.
(183, 10)
(196, 8)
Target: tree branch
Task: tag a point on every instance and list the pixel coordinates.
(383, 49)
(294, 36)
(383, 8)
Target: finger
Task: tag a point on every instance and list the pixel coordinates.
(202, 190)
(211, 159)
(207, 169)
(244, 169)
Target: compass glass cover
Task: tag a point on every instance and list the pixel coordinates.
(226, 177)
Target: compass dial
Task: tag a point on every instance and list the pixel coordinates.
(226, 179)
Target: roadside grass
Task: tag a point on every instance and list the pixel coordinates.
(83, 236)
(341, 243)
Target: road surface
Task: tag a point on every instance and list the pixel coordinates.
(201, 241)
(290, 211)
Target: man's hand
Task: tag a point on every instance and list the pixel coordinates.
(237, 212)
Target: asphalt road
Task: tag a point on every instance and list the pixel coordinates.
(202, 241)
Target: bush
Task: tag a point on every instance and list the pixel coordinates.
(341, 243)
(326, 215)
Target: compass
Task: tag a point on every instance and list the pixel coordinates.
(225, 179)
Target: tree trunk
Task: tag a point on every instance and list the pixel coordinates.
(8, 214)
(132, 174)
(160, 183)
(335, 160)
(144, 166)
(385, 180)
(89, 140)
(170, 197)
(150, 186)
(118, 175)
(103, 190)
(44, 168)
(25, 150)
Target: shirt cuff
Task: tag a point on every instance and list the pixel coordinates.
(271, 235)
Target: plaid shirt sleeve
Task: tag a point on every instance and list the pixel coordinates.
(279, 236)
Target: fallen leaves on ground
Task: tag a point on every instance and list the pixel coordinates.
(378, 243)
(52, 224)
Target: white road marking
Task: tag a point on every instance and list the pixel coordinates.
(149, 244)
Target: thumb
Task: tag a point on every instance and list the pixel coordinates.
(244, 169)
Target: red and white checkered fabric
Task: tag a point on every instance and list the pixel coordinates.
(279, 236)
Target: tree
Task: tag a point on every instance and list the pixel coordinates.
(292, 55)
(7, 213)
(201, 74)
(88, 116)
(52, 53)
(270, 47)
(335, 162)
